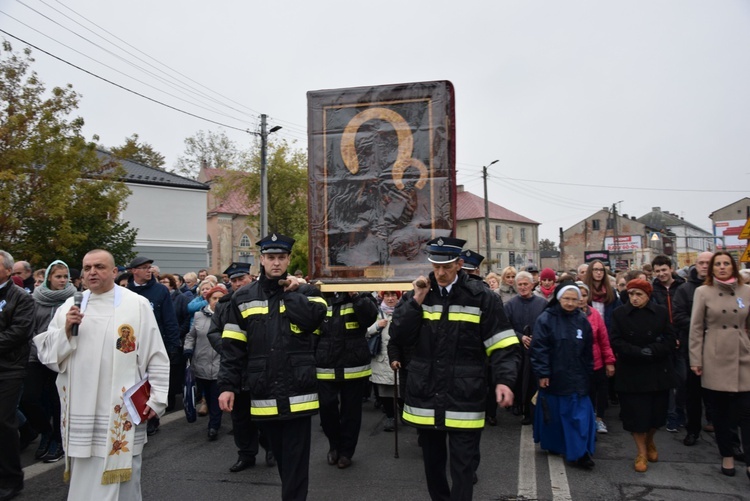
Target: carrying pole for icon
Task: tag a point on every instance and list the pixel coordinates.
(396, 413)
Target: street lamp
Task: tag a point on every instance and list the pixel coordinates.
(487, 216)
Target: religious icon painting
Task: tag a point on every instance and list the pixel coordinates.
(126, 339)
(382, 178)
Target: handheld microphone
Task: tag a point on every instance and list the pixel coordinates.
(77, 300)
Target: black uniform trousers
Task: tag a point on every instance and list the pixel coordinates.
(290, 444)
(247, 437)
(341, 413)
(11, 474)
(464, 452)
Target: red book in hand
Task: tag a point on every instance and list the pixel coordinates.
(136, 399)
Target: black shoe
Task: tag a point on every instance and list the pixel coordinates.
(242, 464)
(492, 421)
(54, 454)
(585, 461)
(8, 493)
(43, 446)
(153, 427)
(333, 457)
(344, 462)
(729, 472)
(690, 439)
(526, 421)
(213, 434)
(270, 460)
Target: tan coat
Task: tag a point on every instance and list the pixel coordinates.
(720, 336)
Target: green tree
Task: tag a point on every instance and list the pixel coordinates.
(57, 199)
(287, 193)
(142, 152)
(214, 149)
(546, 244)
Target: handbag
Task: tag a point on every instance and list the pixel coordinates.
(373, 344)
(188, 394)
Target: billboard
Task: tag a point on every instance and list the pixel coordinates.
(623, 243)
(382, 179)
(731, 230)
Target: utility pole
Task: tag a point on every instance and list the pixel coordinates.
(487, 217)
(264, 174)
(263, 178)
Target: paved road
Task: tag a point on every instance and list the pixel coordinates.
(180, 464)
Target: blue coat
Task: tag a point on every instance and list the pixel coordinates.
(562, 350)
(161, 303)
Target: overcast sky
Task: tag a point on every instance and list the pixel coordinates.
(580, 101)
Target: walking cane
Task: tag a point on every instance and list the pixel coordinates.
(395, 410)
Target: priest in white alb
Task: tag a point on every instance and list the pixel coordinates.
(117, 344)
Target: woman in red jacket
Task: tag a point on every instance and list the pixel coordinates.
(604, 359)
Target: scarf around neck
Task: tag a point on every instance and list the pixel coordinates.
(47, 297)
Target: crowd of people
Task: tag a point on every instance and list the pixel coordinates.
(669, 348)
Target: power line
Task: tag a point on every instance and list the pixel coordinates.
(256, 112)
(125, 88)
(116, 70)
(638, 188)
(175, 85)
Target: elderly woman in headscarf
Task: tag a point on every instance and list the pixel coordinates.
(563, 361)
(643, 341)
(382, 373)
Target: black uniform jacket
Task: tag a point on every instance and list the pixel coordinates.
(268, 337)
(453, 339)
(342, 352)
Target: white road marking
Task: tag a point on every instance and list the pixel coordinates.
(527, 465)
(558, 478)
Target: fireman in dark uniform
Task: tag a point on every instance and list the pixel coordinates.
(457, 327)
(343, 368)
(268, 339)
(246, 435)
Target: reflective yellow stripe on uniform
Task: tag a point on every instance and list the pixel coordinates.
(322, 373)
(357, 372)
(454, 419)
(264, 407)
(316, 299)
(253, 308)
(346, 309)
(301, 403)
(352, 325)
(500, 340)
(432, 312)
(233, 331)
(419, 416)
(458, 313)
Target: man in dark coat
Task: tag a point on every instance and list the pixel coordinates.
(246, 434)
(267, 346)
(457, 326)
(144, 283)
(16, 317)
